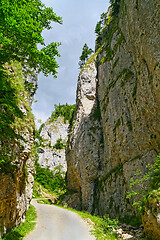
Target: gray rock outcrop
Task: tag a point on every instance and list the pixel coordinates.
(16, 178)
(123, 83)
(85, 150)
(49, 156)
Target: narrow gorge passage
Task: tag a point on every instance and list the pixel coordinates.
(54, 223)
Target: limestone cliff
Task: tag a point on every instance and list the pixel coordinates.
(129, 100)
(85, 152)
(16, 140)
(50, 154)
(123, 82)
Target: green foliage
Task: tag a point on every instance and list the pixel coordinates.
(148, 183)
(39, 192)
(100, 24)
(135, 221)
(54, 181)
(86, 52)
(9, 109)
(13, 123)
(22, 23)
(65, 111)
(59, 144)
(115, 7)
(129, 74)
(106, 27)
(30, 87)
(24, 228)
(155, 174)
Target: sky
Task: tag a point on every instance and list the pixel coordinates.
(79, 21)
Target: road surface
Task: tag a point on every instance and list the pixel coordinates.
(54, 223)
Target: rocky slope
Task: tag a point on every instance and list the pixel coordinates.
(16, 169)
(123, 82)
(50, 154)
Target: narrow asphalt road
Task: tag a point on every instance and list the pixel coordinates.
(54, 223)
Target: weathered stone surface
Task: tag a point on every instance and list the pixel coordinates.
(51, 132)
(130, 103)
(128, 94)
(16, 185)
(85, 142)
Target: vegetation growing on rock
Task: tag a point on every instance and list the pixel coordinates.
(65, 111)
(54, 181)
(127, 83)
(22, 23)
(86, 52)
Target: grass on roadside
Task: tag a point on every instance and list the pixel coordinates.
(24, 228)
(103, 226)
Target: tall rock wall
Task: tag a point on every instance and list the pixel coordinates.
(16, 172)
(85, 149)
(104, 154)
(129, 100)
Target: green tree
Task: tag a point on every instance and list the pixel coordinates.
(62, 110)
(115, 7)
(53, 180)
(21, 26)
(100, 24)
(86, 52)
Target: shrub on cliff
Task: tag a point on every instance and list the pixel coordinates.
(149, 183)
(115, 7)
(86, 52)
(60, 144)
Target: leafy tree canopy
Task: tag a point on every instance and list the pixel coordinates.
(21, 25)
(86, 52)
(62, 110)
(54, 181)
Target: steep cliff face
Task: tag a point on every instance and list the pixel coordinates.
(50, 153)
(85, 150)
(129, 100)
(128, 95)
(16, 168)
